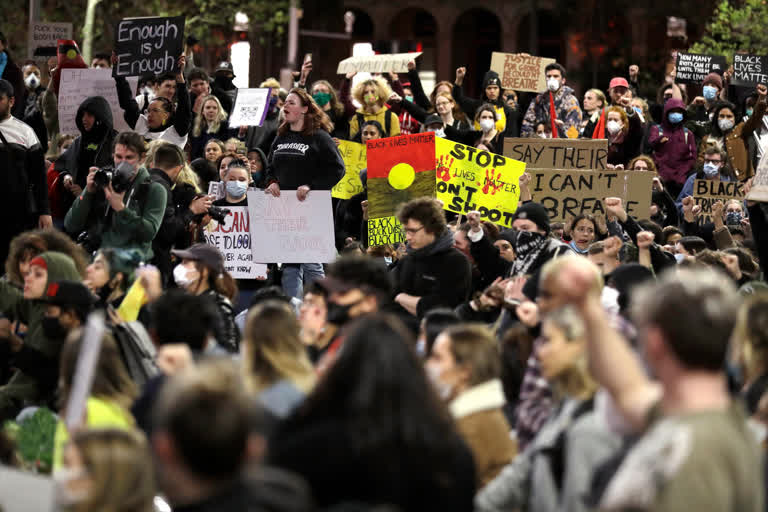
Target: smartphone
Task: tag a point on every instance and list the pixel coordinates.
(307, 58)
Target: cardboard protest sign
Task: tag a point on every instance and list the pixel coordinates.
(568, 193)
(45, 35)
(148, 45)
(520, 72)
(250, 107)
(286, 230)
(353, 155)
(750, 70)
(707, 192)
(394, 62)
(759, 190)
(399, 169)
(93, 333)
(469, 179)
(692, 68)
(78, 84)
(558, 153)
(233, 239)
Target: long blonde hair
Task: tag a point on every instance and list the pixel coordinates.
(201, 125)
(273, 349)
(119, 464)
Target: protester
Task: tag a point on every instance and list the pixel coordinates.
(11, 73)
(33, 93)
(674, 146)
(261, 137)
(205, 167)
(505, 118)
(25, 247)
(210, 123)
(110, 275)
(199, 88)
(557, 106)
(236, 183)
(373, 94)
(222, 86)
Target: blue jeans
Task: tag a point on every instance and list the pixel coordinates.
(296, 275)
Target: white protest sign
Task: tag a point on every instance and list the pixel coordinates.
(216, 190)
(233, 239)
(79, 84)
(87, 359)
(286, 230)
(22, 491)
(394, 62)
(44, 35)
(250, 107)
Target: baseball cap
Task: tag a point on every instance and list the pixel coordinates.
(205, 253)
(618, 82)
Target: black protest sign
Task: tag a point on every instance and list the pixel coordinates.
(692, 68)
(750, 70)
(148, 45)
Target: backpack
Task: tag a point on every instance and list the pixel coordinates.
(387, 123)
(137, 350)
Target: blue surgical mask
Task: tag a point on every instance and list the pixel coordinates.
(237, 189)
(709, 92)
(711, 170)
(638, 110)
(675, 117)
(749, 112)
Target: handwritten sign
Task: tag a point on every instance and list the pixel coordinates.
(692, 68)
(148, 45)
(287, 230)
(520, 72)
(707, 192)
(250, 107)
(469, 179)
(759, 190)
(353, 155)
(233, 239)
(217, 190)
(385, 231)
(85, 370)
(394, 62)
(78, 84)
(45, 35)
(568, 193)
(558, 153)
(750, 70)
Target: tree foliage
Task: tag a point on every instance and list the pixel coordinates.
(736, 27)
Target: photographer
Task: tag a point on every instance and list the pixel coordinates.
(121, 207)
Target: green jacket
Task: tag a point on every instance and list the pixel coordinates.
(132, 228)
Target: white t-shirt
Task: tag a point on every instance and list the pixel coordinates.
(170, 134)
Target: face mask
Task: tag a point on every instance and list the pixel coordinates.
(542, 135)
(709, 92)
(749, 112)
(409, 98)
(440, 133)
(370, 98)
(32, 82)
(444, 391)
(182, 277)
(388, 260)
(711, 170)
(553, 84)
(337, 314)
(322, 98)
(237, 189)
(53, 329)
(725, 124)
(486, 125)
(272, 102)
(675, 117)
(525, 239)
(679, 258)
(733, 218)
(613, 127)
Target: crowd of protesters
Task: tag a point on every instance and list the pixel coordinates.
(610, 362)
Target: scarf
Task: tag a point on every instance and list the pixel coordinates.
(3, 62)
(528, 248)
(553, 115)
(599, 132)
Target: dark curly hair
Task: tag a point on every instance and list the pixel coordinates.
(425, 210)
(29, 244)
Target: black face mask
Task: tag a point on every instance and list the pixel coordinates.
(53, 329)
(338, 314)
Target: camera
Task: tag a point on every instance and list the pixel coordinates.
(120, 177)
(219, 214)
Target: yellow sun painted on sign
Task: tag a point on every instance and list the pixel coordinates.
(401, 176)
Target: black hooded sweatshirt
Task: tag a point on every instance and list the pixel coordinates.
(470, 105)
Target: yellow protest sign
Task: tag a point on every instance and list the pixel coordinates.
(353, 155)
(470, 179)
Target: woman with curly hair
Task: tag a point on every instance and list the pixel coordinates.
(30, 244)
(210, 123)
(373, 95)
(303, 157)
(642, 163)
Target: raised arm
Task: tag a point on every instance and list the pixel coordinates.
(183, 118)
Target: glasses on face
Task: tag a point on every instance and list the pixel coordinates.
(413, 231)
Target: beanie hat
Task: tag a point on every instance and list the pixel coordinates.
(713, 79)
(534, 212)
(59, 266)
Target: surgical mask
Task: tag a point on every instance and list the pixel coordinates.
(388, 260)
(322, 98)
(444, 391)
(486, 125)
(338, 314)
(725, 124)
(553, 84)
(409, 98)
(237, 189)
(711, 170)
(675, 117)
(679, 258)
(182, 277)
(749, 112)
(370, 98)
(440, 133)
(709, 92)
(542, 135)
(638, 110)
(32, 82)
(53, 329)
(613, 127)
(733, 218)
(272, 102)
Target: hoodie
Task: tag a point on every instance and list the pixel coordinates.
(36, 380)
(674, 146)
(507, 118)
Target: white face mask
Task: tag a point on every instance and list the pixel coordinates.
(486, 125)
(613, 127)
(725, 124)
(32, 82)
(444, 391)
(553, 84)
(182, 277)
(440, 133)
